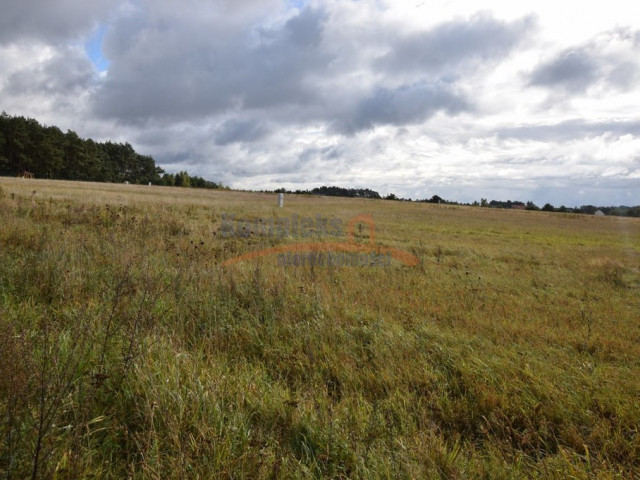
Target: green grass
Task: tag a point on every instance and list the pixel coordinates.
(127, 350)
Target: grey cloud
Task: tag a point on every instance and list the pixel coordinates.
(603, 61)
(124, 33)
(569, 130)
(456, 43)
(404, 105)
(51, 20)
(573, 70)
(306, 28)
(252, 92)
(233, 131)
(67, 72)
(282, 70)
(187, 69)
(324, 153)
(190, 69)
(624, 76)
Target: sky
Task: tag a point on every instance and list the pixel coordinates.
(531, 101)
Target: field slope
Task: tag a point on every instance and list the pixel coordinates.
(127, 350)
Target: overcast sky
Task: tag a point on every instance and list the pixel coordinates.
(504, 100)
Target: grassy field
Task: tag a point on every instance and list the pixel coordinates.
(512, 350)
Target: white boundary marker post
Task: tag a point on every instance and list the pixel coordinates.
(281, 199)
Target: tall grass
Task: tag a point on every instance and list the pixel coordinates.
(128, 351)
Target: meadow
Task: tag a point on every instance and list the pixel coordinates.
(128, 350)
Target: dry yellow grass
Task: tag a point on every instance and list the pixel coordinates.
(511, 351)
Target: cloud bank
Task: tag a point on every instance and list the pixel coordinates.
(415, 99)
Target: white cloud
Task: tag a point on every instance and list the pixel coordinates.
(416, 98)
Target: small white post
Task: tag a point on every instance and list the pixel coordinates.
(281, 199)
(149, 183)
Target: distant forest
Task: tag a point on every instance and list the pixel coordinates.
(47, 152)
(336, 192)
(622, 211)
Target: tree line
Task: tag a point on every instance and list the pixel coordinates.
(333, 191)
(619, 211)
(47, 152)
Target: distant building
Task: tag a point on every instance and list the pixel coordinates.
(518, 206)
(599, 213)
